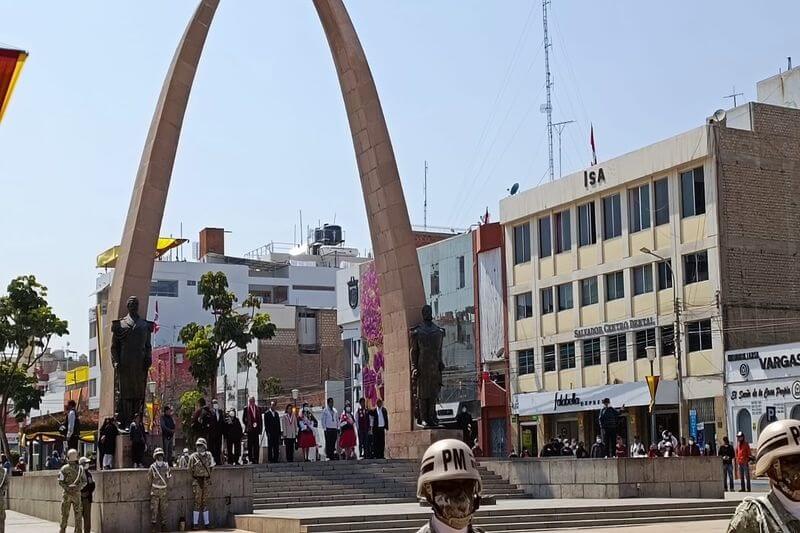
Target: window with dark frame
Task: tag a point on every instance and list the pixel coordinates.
(525, 362)
(615, 286)
(667, 340)
(612, 217)
(434, 279)
(589, 291)
(695, 267)
(524, 305)
(587, 225)
(693, 193)
(522, 243)
(617, 349)
(545, 244)
(547, 300)
(639, 208)
(699, 335)
(462, 272)
(642, 279)
(661, 198)
(566, 355)
(564, 296)
(644, 338)
(549, 358)
(591, 352)
(664, 274)
(165, 288)
(561, 224)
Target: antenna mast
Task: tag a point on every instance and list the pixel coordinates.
(425, 198)
(548, 85)
(734, 94)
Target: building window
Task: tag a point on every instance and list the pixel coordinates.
(561, 221)
(612, 217)
(434, 279)
(549, 358)
(462, 272)
(667, 340)
(664, 274)
(589, 291)
(617, 350)
(522, 243)
(566, 355)
(547, 300)
(92, 388)
(639, 208)
(92, 357)
(565, 296)
(693, 193)
(92, 329)
(661, 193)
(699, 334)
(525, 362)
(524, 305)
(241, 399)
(695, 267)
(587, 226)
(644, 338)
(221, 368)
(178, 357)
(545, 246)
(166, 288)
(191, 283)
(642, 279)
(615, 286)
(591, 352)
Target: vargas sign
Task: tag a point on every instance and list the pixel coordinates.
(616, 327)
(763, 363)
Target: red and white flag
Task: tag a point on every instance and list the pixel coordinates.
(594, 149)
(156, 326)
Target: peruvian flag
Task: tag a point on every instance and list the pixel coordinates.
(156, 326)
(594, 148)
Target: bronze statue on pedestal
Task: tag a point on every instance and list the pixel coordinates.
(131, 355)
(426, 367)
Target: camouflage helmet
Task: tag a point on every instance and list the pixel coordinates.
(157, 452)
(72, 455)
(84, 461)
(201, 442)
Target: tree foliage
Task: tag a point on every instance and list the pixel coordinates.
(188, 401)
(272, 386)
(207, 345)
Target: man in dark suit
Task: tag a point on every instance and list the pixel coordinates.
(379, 425)
(253, 426)
(215, 432)
(272, 423)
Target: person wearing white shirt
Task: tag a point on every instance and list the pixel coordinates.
(637, 448)
(330, 423)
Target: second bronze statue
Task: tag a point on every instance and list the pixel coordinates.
(426, 367)
(131, 354)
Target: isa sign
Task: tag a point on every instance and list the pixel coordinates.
(693, 423)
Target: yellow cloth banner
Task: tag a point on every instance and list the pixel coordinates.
(652, 385)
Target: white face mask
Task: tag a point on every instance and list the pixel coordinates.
(159, 462)
(599, 440)
(348, 409)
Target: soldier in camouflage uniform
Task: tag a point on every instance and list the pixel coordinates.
(158, 474)
(200, 464)
(779, 458)
(3, 493)
(449, 480)
(72, 479)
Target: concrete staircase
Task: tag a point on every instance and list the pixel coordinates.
(538, 519)
(327, 483)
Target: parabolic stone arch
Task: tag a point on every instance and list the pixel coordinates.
(390, 229)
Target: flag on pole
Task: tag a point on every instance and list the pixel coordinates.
(156, 326)
(594, 149)
(11, 62)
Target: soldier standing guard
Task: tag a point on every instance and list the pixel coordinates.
(427, 367)
(72, 479)
(158, 476)
(200, 464)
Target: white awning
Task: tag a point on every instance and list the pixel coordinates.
(591, 398)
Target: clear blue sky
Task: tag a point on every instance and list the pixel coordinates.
(266, 133)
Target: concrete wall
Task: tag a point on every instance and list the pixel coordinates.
(122, 498)
(687, 477)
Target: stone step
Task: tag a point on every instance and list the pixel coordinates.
(288, 497)
(354, 481)
(324, 503)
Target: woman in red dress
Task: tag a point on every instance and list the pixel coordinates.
(347, 433)
(306, 426)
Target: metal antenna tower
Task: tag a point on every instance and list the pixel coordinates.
(548, 107)
(425, 200)
(734, 94)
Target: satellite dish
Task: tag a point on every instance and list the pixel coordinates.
(719, 115)
(513, 190)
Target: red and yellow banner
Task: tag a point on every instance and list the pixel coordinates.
(11, 62)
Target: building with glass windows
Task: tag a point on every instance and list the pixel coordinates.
(696, 232)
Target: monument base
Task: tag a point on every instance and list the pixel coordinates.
(123, 458)
(412, 444)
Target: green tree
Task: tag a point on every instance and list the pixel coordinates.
(207, 345)
(272, 386)
(27, 324)
(188, 401)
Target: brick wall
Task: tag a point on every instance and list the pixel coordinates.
(759, 194)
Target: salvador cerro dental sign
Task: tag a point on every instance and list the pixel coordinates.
(616, 327)
(776, 361)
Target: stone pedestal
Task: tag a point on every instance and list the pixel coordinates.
(412, 444)
(122, 454)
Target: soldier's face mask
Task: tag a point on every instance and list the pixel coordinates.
(454, 502)
(785, 475)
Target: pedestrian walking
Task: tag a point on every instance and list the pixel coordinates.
(138, 441)
(464, 423)
(743, 458)
(158, 475)
(330, 424)
(609, 422)
(254, 425)
(233, 437)
(779, 460)
(72, 426)
(3, 496)
(108, 442)
(86, 494)
(727, 453)
(167, 433)
(598, 448)
(272, 424)
(215, 431)
(347, 433)
(183, 460)
(54, 461)
(72, 479)
(364, 435)
(201, 463)
(637, 448)
(21, 466)
(379, 425)
(289, 430)
(202, 419)
(306, 426)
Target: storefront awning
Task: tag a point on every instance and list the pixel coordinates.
(591, 398)
(108, 259)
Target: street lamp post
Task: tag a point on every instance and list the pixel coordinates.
(651, 357)
(676, 332)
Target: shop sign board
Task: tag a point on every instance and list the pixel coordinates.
(614, 328)
(693, 423)
(768, 362)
